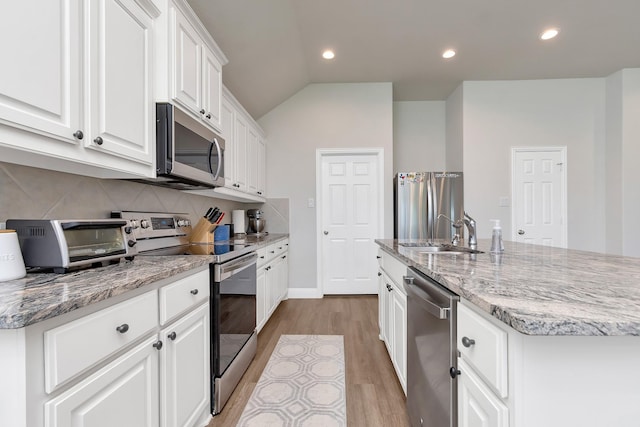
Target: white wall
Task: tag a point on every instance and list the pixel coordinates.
(419, 142)
(498, 115)
(630, 154)
(454, 130)
(613, 165)
(323, 116)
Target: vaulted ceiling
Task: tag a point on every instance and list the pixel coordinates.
(274, 46)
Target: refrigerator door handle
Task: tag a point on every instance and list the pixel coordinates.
(431, 220)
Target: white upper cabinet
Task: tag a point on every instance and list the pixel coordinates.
(76, 89)
(196, 63)
(40, 79)
(121, 91)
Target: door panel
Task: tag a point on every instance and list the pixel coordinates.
(349, 220)
(539, 197)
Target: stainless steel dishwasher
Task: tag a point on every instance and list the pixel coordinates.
(432, 365)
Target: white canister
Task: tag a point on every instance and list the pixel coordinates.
(237, 218)
(11, 262)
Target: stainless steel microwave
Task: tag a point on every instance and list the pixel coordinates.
(189, 155)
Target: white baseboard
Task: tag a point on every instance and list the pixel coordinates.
(303, 293)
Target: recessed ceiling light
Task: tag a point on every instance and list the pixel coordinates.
(328, 54)
(549, 34)
(449, 53)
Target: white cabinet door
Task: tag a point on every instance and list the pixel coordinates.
(387, 330)
(252, 161)
(382, 312)
(212, 88)
(121, 87)
(40, 76)
(187, 64)
(228, 118)
(477, 405)
(284, 276)
(261, 298)
(241, 152)
(262, 167)
(399, 357)
(123, 393)
(185, 391)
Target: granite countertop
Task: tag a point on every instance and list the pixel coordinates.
(41, 296)
(539, 290)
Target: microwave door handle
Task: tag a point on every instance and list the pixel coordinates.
(219, 151)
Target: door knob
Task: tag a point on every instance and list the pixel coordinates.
(521, 232)
(326, 232)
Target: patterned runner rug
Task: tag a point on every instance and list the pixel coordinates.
(302, 385)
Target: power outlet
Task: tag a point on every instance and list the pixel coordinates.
(3, 225)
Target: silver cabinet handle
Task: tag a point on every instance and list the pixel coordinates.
(194, 292)
(78, 134)
(521, 232)
(98, 140)
(157, 345)
(468, 342)
(172, 336)
(122, 328)
(326, 232)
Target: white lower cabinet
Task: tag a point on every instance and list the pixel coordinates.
(123, 363)
(123, 393)
(478, 406)
(184, 367)
(272, 280)
(393, 313)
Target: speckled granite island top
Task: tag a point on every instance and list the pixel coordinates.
(539, 290)
(41, 296)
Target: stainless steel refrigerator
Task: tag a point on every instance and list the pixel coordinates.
(426, 204)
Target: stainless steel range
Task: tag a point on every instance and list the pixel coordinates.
(233, 291)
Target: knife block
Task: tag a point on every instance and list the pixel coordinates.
(202, 232)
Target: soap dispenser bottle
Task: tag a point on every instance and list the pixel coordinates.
(496, 238)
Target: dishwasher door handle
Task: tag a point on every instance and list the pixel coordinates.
(431, 307)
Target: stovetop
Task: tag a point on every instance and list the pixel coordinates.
(154, 233)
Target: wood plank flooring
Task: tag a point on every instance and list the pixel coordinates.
(374, 395)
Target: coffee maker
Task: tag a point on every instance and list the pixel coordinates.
(256, 223)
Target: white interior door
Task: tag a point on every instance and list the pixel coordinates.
(539, 196)
(350, 200)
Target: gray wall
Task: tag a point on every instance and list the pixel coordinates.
(357, 115)
(419, 142)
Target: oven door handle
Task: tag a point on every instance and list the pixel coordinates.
(229, 268)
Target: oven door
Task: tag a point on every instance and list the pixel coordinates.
(233, 311)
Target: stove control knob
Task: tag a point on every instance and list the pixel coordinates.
(183, 223)
(131, 243)
(134, 223)
(128, 229)
(144, 223)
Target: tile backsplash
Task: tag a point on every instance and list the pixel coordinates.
(27, 192)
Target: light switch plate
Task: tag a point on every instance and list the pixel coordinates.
(311, 203)
(3, 225)
(503, 202)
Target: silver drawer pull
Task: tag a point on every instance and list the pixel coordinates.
(468, 342)
(122, 328)
(172, 336)
(194, 292)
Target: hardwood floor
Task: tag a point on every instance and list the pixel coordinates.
(374, 395)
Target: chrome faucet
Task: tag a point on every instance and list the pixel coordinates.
(471, 226)
(457, 225)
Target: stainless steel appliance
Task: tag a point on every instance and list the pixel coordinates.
(233, 292)
(429, 205)
(432, 365)
(72, 243)
(189, 155)
(256, 223)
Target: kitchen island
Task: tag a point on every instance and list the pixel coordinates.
(557, 334)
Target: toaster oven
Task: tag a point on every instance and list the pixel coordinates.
(69, 244)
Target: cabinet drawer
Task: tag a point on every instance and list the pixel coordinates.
(396, 270)
(262, 256)
(183, 294)
(487, 352)
(281, 246)
(73, 347)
